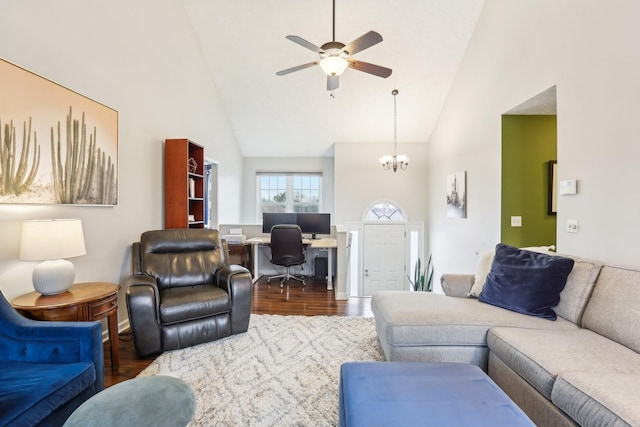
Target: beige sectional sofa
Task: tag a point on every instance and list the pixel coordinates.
(581, 369)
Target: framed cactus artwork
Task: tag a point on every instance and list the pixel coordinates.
(56, 145)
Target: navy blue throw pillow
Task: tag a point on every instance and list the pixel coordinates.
(526, 282)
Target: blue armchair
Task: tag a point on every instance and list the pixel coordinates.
(47, 369)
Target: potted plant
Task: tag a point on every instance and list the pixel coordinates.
(422, 279)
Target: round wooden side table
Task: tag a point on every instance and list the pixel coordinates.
(83, 302)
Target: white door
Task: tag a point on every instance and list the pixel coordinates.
(383, 258)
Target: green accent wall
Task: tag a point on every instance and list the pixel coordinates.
(528, 143)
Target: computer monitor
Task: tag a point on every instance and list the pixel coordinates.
(314, 223)
(269, 219)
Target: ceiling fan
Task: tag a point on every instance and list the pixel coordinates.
(335, 57)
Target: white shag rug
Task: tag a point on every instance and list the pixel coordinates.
(284, 371)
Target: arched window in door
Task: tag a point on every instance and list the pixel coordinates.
(384, 211)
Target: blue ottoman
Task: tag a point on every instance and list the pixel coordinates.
(156, 401)
(423, 394)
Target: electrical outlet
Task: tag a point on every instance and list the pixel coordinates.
(572, 226)
(516, 221)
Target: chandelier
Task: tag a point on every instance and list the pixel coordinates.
(396, 161)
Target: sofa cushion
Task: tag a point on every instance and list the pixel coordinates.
(30, 392)
(429, 319)
(526, 282)
(539, 356)
(612, 310)
(576, 293)
(485, 259)
(601, 398)
(190, 303)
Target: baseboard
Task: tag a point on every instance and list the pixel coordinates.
(121, 327)
(342, 296)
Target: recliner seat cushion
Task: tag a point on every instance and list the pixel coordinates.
(30, 392)
(191, 303)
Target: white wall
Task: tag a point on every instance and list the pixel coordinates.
(284, 164)
(141, 59)
(588, 48)
(361, 181)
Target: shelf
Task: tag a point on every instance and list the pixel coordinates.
(180, 182)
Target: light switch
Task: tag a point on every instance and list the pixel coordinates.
(572, 226)
(516, 221)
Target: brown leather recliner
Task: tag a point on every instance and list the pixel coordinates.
(183, 291)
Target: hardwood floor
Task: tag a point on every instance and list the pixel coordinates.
(268, 298)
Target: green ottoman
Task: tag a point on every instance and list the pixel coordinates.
(156, 401)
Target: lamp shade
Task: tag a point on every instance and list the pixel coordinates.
(50, 241)
(333, 65)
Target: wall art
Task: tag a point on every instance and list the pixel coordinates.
(56, 145)
(457, 195)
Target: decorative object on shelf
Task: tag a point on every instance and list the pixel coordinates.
(192, 188)
(79, 166)
(457, 195)
(191, 218)
(335, 57)
(193, 165)
(396, 161)
(51, 240)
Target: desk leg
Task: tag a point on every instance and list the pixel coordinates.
(329, 269)
(256, 276)
(113, 340)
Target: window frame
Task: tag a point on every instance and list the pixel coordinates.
(289, 202)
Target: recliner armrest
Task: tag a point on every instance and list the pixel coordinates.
(236, 280)
(457, 285)
(143, 307)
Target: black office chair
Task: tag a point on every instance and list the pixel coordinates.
(287, 250)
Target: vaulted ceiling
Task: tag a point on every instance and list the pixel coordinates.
(243, 42)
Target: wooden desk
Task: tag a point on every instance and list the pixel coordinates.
(325, 243)
(83, 302)
(240, 253)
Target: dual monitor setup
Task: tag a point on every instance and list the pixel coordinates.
(309, 223)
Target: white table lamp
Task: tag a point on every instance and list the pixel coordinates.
(51, 240)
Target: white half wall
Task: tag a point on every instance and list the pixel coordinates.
(589, 50)
(140, 58)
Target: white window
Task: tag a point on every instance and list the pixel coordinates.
(384, 212)
(288, 192)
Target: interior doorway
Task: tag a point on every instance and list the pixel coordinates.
(211, 194)
(529, 151)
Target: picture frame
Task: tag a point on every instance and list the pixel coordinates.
(457, 195)
(56, 145)
(552, 200)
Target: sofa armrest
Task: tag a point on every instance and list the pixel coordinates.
(236, 280)
(143, 307)
(35, 341)
(457, 285)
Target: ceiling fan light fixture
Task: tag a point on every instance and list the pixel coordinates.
(333, 65)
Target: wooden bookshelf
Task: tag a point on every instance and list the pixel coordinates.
(183, 187)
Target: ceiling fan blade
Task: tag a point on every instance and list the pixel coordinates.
(302, 42)
(365, 67)
(363, 42)
(333, 82)
(298, 68)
